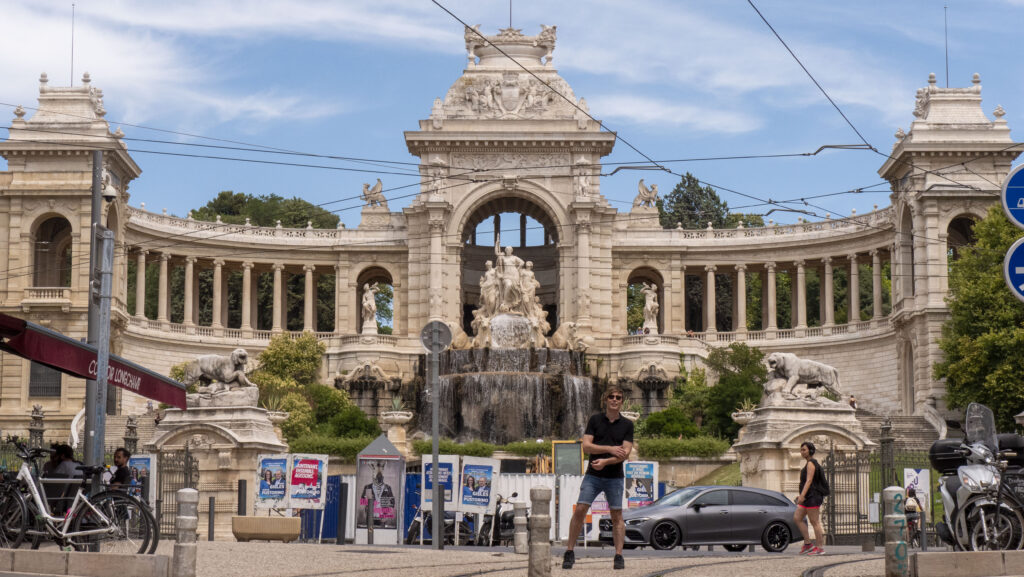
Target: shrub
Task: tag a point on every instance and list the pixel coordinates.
(662, 449)
(273, 389)
(326, 401)
(450, 447)
(298, 359)
(528, 448)
(350, 421)
(300, 416)
(672, 422)
(347, 449)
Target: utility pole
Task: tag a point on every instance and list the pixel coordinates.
(101, 257)
(91, 458)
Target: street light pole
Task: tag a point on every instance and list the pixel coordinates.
(91, 456)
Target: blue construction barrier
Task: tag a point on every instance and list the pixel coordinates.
(311, 517)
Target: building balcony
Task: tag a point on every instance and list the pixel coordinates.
(46, 298)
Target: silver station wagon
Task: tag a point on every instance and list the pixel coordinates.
(713, 515)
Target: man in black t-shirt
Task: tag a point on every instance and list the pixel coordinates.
(122, 475)
(608, 440)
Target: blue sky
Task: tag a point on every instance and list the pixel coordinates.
(678, 80)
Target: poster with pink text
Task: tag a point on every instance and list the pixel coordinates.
(307, 481)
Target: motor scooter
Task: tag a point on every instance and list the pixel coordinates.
(427, 519)
(979, 513)
(502, 533)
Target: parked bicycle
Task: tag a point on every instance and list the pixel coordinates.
(110, 522)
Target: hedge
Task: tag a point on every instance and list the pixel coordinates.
(450, 447)
(347, 449)
(661, 449)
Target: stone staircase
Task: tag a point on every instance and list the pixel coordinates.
(912, 433)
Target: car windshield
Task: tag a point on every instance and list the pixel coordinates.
(679, 497)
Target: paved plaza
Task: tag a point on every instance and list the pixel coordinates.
(224, 559)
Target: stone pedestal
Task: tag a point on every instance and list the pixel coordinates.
(226, 442)
(769, 444)
(396, 422)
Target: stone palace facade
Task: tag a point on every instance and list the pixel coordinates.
(502, 141)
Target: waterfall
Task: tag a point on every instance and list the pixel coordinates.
(577, 398)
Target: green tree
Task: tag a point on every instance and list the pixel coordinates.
(741, 376)
(297, 358)
(691, 394)
(265, 210)
(693, 206)
(984, 335)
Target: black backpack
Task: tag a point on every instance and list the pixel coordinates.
(820, 482)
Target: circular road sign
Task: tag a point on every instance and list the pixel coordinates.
(1013, 269)
(1013, 196)
(443, 339)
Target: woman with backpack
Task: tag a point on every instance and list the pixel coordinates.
(813, 489)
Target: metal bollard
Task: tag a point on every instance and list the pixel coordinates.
(242, 492)
(540, 532)
(211, 516)
(370, 506)
(522, 539)
(342, 514)
(897, 558)
(186, 524)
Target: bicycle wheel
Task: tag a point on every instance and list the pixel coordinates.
(131, 529)
(14, 519)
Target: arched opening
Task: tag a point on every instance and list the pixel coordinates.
(526, 227)
(959, 235)
(377, 281)
(52, 248)
(645, 291)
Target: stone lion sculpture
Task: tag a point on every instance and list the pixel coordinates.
(229, 370)
(565, 337)
(460, 340)
(797, 371)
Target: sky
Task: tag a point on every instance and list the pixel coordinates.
(678, 80)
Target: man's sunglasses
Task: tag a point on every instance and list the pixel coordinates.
(614, 397)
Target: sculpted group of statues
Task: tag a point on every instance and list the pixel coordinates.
(792, 379)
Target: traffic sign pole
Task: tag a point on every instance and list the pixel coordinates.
(436, 337)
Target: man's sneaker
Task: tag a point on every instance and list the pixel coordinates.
(568, 560)
(816, 551)
(806, 548)
(619, 562)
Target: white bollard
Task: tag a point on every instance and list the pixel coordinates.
(522, 538)
(186, 524)
(540, 532)
(897, 556)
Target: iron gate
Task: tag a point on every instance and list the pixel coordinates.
(178, 470)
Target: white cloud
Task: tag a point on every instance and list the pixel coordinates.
(650, 111)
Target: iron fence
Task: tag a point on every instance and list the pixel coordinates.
(177, 470)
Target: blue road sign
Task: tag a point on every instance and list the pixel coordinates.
(1013, 196)
(1013, 268)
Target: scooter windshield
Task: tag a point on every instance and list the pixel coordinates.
(980, 426)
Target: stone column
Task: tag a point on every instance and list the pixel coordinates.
(801, 295)
(307, 301)
(854, 315)
(246, 296)
(682, 299)
(540, 532)
(276, 317)
(338, 296)
(436, 260)
(876, 283)
(829, 300)
(190, 262)
(218, 288)
(186, 525)
(583, 270)
(770, 302)
(161, 314)
(741, 298)
(710, 326)
(140, 284)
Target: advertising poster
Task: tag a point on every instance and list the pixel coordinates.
(920, 480)
(143, 477)
(477, 482)
(448, 467)
(308, 477)
(641, 480)
(379, 481)
(271, 482)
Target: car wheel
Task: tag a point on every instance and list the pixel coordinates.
(665, 535)
(734, 548)
(776, 537)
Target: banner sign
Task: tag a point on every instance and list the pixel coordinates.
(379, 479)
(271, 482)
(641, 480)
(447, 468)
(143, 477)
(477, 482)
(307, 479)
(920, 481)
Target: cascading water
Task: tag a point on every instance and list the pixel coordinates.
(505, 395)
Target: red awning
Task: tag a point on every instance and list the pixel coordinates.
(48, 347)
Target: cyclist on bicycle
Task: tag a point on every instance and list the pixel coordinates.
(915, 516)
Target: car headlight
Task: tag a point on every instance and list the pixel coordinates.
(637, 521)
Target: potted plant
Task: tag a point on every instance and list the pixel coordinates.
(744, 412)
(397, 415)
(632, 411)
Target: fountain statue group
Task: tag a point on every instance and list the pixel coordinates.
(510, 314)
